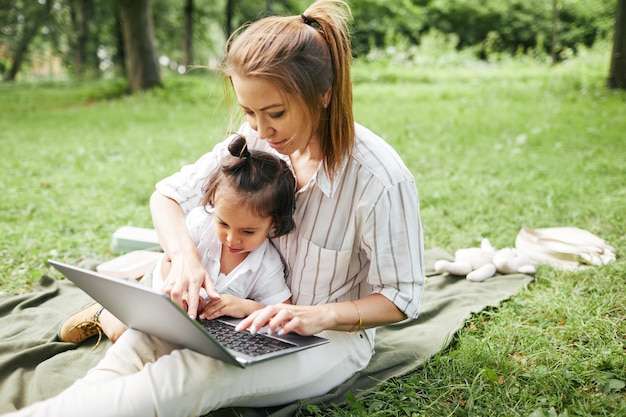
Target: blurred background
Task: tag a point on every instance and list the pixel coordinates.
(142, 40)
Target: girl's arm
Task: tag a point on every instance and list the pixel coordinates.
(232, 306)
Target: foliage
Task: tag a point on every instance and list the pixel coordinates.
(382, 23)
(522, 25)
(208, 36)
(490, 28)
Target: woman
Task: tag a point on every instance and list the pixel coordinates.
(355, 257)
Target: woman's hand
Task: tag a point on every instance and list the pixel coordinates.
(285, 318)
(228, 305)
(186, 275)
(183, 283)
(370, 311)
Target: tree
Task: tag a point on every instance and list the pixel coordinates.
(617, 71)
(188, 33)
(229, 11)
(32, 22)
(556, 5)
(138, 30)
(79, 11)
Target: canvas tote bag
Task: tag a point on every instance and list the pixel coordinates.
(568, 248)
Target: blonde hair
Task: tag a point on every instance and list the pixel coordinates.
(306, 56)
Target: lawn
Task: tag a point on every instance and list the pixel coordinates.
(493, 147)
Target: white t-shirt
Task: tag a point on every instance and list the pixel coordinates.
(355, 235)
(259, 277)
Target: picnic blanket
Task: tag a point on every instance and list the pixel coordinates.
(34, 365)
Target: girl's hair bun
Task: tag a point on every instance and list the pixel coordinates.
(238, 147)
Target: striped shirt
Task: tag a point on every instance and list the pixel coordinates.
(355, 235)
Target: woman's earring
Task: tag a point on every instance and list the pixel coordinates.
(325, 105)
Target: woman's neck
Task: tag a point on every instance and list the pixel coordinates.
(305, 162)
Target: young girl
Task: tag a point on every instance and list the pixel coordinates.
(249, 198)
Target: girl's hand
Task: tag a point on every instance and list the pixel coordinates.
(183, 283)
(285, 318)
(228, 305)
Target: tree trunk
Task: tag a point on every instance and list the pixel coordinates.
(617, 72)
(188, 33)
(556, 6)
(30, 31)
(228, 20)
(119, 58)
(78, 12)
(142, 63)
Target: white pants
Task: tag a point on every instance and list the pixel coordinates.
(143, 376)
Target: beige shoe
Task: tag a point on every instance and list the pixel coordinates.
(82, 325)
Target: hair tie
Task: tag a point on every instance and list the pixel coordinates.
(244, 153)
(305, 19)
(238, 147)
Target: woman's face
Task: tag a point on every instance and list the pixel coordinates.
(283, 124)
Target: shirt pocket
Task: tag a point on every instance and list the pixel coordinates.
(319, 275)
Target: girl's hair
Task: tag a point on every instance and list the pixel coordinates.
(259, 180)
(306, 56)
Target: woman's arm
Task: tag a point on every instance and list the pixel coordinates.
(370, 311)
(187, 273)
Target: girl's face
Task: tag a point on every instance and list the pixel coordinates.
(239, 228)
(282, 124)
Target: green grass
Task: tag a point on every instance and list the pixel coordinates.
(493, 148)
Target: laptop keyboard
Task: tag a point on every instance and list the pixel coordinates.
(244, 342)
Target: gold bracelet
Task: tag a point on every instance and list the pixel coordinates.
(358, 326)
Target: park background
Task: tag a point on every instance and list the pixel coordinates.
(505, 112)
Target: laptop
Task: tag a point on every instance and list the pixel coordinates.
(153, 312)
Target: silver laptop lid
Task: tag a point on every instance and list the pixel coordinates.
(147, 310)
